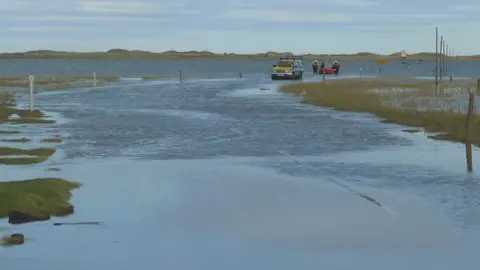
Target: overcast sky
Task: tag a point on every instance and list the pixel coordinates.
(300, 26)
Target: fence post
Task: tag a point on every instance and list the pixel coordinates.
(31, 78)
(240, 75)
(181, 80)
(478, 87)
(469, 129)
(361, 73)
(94, 80)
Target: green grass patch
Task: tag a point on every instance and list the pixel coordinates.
(31, 121)
(52, 140)
(10, 151)
(356, 96)
(9, 132)
(412, 130)
(35, 156)
(7, 101)
(36, 196)
(19, 140)
(22, 160)
(23, 81)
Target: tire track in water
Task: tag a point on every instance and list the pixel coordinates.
(351, 190)
(340, 184)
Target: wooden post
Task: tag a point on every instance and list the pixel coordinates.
(446, 58)
(436, 60)
(451, 59)
(444, 55)
(441, 58)
(478, 87)
(180, 78)
(469, 127)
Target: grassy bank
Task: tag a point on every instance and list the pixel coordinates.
(10, 132)
(36, 196)
(117, 54)
(56, 83)
(368, 96)
(40, 196)
(27, 156)
(52, 140)
(19, 140)
(7, 109)
(23, 81)
(17, 156)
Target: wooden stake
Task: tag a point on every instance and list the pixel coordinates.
(441, 58)
(469, 127)
(436, 60)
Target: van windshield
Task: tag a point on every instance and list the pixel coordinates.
(285, 64)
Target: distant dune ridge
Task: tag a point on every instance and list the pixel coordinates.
(172, 54)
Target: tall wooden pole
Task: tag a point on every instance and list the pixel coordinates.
(436, 59)
(447, 59)
(441, 58)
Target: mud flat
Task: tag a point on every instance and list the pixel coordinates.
(404, 102)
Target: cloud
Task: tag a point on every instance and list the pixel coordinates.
(468, 8)
(15, 5)
(40, 28)
(282, 16)
(248, 25)
(109, 7)
(76, 18)
(356, 3)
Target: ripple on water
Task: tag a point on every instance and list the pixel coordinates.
(280, 196)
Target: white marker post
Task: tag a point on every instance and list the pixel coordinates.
(361, 73)
(94, 80)
(31, 78)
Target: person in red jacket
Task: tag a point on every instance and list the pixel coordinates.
(336, 67)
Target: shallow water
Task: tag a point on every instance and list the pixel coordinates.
(218, 174)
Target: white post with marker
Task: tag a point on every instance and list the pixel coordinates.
(31, 78)
(94, 80)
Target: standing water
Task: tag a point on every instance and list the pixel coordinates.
(218, 174)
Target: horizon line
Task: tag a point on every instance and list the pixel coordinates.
(119, 50)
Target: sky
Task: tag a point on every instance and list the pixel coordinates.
(240, 26)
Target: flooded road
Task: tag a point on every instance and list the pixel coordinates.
(218, 174)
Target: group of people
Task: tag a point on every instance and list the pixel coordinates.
(316, 68)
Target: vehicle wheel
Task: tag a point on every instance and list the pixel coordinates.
(293, 76)
(273, 77)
